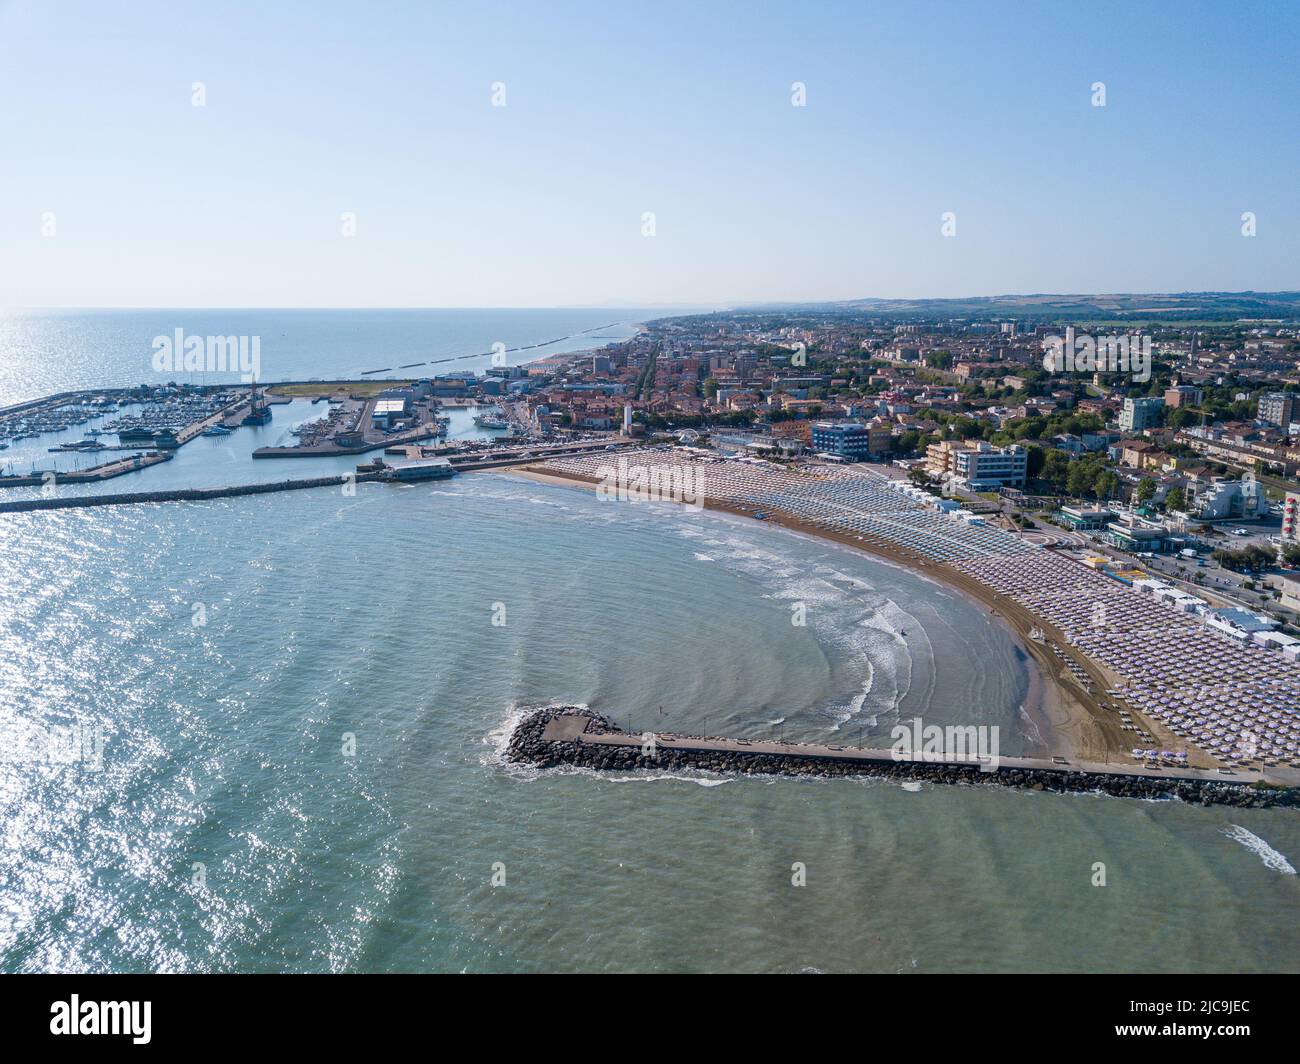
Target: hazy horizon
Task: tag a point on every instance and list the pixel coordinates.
(702, 307)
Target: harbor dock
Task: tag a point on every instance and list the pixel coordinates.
(358, 423)
(464, 463)
(95, 474)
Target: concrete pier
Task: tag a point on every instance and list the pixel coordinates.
(467, 462)
(77, 502)
(116, 467)
(554, 737)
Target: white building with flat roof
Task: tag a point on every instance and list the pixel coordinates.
(388, 411)
(987, 468)
(1238, 623)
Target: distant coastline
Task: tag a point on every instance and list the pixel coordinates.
(69, 351)
(639, 327)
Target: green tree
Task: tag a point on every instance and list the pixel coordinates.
(1261, 558)
(1056, 467)
(1081, 478)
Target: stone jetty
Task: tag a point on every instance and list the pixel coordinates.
(568, 735)
(73, 502)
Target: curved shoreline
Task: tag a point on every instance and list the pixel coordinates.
(1039, 692)
(1074, 723)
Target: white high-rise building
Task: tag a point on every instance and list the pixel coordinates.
(1139, 414)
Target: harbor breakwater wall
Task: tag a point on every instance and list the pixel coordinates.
(73, 502)
(465, 462)
(556, 737)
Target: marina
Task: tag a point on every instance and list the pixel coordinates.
(144, 421)
(356, 423)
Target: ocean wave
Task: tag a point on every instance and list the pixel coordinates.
(860, 699)
(497, 740)
(859, 630)
(1029, 727)
(1271, 858)
(702, 781)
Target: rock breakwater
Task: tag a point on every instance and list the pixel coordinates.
(556, 737)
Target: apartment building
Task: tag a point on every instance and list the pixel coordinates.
(1291, 518)
(1184, 395)
(1139, 414)
(978, 466)
(1278, 408)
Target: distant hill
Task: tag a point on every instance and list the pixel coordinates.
(1181, 306)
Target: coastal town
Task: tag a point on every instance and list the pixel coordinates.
(1191, 473)
(1140, 523)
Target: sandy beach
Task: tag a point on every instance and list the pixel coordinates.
(1069, 720)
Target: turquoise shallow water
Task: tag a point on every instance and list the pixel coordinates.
(326, 616)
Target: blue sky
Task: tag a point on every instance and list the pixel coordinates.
(683, 110)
